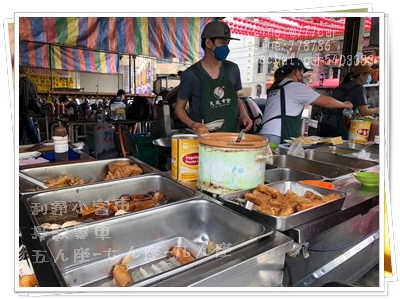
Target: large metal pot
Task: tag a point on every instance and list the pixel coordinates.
(164, 152)
(164, 145)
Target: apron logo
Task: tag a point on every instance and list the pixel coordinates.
(219, 93)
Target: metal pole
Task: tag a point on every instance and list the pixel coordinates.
(353, 29)
(134, 74)
(130, 74)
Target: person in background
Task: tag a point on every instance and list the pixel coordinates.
(286, 99)
(211, 85)
(332, 122)
(120, 97)
(28, 109)
(68, 104)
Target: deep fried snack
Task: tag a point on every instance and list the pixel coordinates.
(28, 281)
(181, 255)
(121, 274)
(63, 181)
(88, 210)
(312, 196)
(158, 197)
(331, 197)
(122, 169)
(269, 209)
(268, 190)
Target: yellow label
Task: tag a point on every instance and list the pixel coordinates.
(184, 157)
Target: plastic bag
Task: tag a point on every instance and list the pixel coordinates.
(297, 150)
(270, 159)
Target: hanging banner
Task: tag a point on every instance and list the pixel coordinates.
(34, 54)
(162, 37)
(72, 59)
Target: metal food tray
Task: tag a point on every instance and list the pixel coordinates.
(146, 261)
(354, 163)
(237, 202)
(330, 171)
(88, 171)
(287, 174)
(89, 194)
(193, 222)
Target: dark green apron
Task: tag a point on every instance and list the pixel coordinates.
(341, 130)
(289, 124)
(219, 101)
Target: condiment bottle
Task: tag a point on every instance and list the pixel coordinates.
(60, 138)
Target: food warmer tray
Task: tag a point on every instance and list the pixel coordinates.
(236, 202)
(95, 171)
(189, 223)
(54, 201)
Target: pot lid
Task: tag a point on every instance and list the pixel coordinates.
(228, 140)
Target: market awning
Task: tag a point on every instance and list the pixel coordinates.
(161, 37)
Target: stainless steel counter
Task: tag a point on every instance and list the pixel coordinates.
(340, 246)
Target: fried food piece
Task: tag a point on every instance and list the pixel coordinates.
(121, 274)
(158, 197)
(88, 210)
(122, 169)
(63, 181)
(28, 281)
(269, 209)
(312, 196)
(181, 255)
(212, 247)
(268, 190)
(307, 204)
(331, 197)
(286, 210)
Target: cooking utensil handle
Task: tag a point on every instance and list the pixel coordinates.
(33, 180)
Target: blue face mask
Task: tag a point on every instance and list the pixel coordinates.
(221, 52)
(369, 79)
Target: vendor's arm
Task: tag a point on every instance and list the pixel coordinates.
(364, 110)
(329, 102)
(181, 114)
(244, 117)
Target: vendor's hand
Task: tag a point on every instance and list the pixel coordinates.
(195, 126)
(348, 104)
(247, 122)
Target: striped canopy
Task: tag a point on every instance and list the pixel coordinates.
(158, 37)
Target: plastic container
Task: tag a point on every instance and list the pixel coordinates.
(227, 166)
(359, 131)
(103, 136)
(60, 138)
(117, 110)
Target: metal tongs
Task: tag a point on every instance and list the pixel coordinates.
(33, 180)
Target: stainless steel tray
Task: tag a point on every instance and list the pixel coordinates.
(356, 146)
(88, 171)
(55, 201)
(339, 160)
(146, 261)
(327, 170)
(286, 174)
(236, 202)
(195, 222)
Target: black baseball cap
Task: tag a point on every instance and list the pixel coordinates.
(295, 63)
(216, 29)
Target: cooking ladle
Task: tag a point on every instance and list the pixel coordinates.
(240, 137)
(33, 180)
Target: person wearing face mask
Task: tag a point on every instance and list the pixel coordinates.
(331, 123)
(211, 85)
(286, 99)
